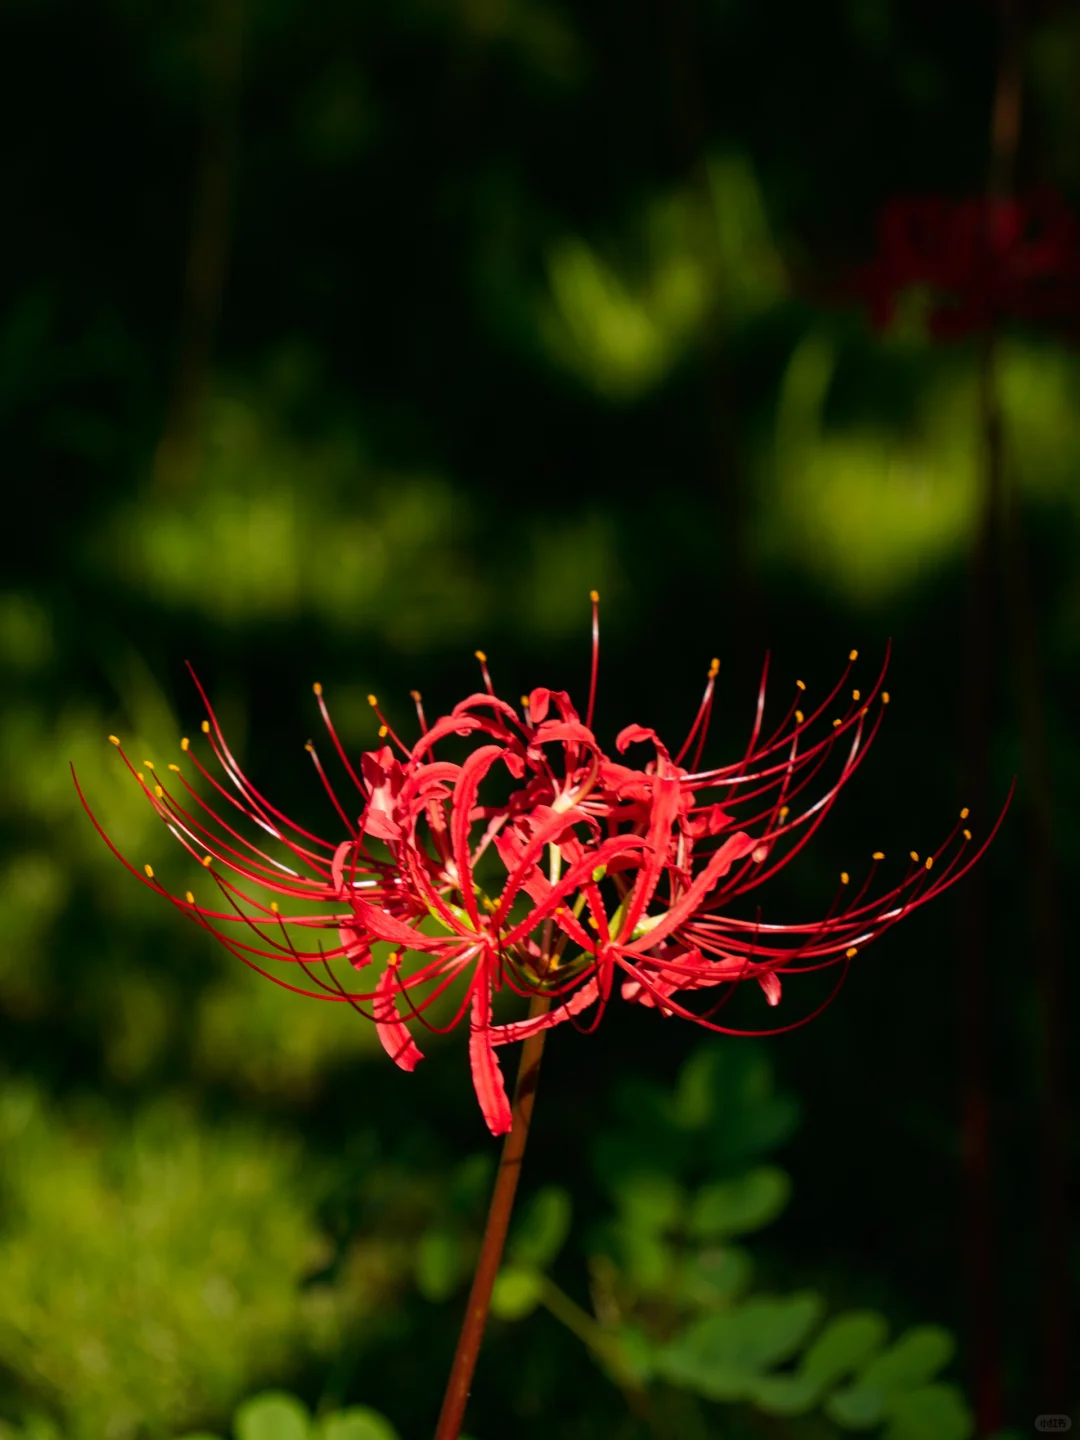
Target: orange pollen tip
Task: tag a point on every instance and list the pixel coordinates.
(149, 870)
(878, 855)
(862, 712)
(836, 723)
(851, 951)
(884, 697)
(799, 685)
(845, 878)
(317, 688)
(856, 695)
(206, 859)
(854, 655)
(481, 657)
(189, 897)
(176, 768)
(114, 739)
(967, 834)
(384, 730)
(309, 747)
(594, 596)
(784, 812)
(915, 856)
(206, 727)
(524, 702)
(799, 716)
(964, 813)
(159, 792)
(395, 960)
(929, 862)
(414, 695)
(372, 701)
(594, 922)
(184, 743)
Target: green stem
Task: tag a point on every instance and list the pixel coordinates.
(498, 1223)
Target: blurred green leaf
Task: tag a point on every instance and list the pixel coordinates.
(540, 1233)
(722, 1356)
(734, 1207)
(711, 1276)
(273, 1415)
(359, 1422)
(652, 1203)
(846, 1343)
(440, 1263)
(932, 1412)
(516, 1293)
(906, 1366)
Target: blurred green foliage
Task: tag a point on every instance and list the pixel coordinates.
(513, 298)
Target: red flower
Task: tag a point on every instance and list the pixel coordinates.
(983, 261)
(537, 864)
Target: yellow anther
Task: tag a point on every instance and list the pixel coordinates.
(176, 768)
(149, 764)
(878, 855)
(524, 702)
(964, 813)
(189, 897)
(799, 685)
(206, 859)
(915, 856)
(967, 834)
(594, 924)
(309, 747)
(317, 688)
(415, 695)
(114, 739)
(594, 596)
(206, 727)
(851, 951)
(481, 657)
(929, 862)
(184, 743)
(274, 906)
(488, 904)
(854, 655)
(799, 716)
(371, 700)
(884, 697)
(140, 777)
(836, 723)
(856, 695)
(394, 960)
(784, 812)
(159, 792)
(384, 730)
(714, 668)
(845, 878)
(149, 870)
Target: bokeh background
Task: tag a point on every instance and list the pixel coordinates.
(339, 340)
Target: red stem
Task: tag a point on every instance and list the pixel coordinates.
(498, 1222)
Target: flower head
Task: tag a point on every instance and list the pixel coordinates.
(982, 261)
(536, 863)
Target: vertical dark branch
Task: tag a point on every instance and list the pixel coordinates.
(978, 1225)
(204, 279)
(726, 480)
(974, 989)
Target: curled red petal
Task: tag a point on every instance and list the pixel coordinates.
(389, 1026)
(486, 1072)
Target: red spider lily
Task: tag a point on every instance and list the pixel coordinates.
(983, 262)
(581, 870)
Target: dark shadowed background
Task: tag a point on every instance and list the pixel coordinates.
(339, 340)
